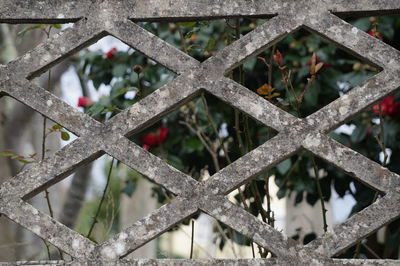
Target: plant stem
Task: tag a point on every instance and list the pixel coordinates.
(267, 176)
(382, 135)
(370, 250)
(207, 145)
(240, 80)
(258, 201)
(101, 200)
(358, 248)
(287, 81)
(270, 213)
(140, 88)
(382, 144)
(247, 133)
(221, 230)
(191, 242)
(228, 159)
(214, 127)
(184, 44)
(308, 86)
(270, 66)
(47, 249)
(47, 194)
(321, 196)
(237, 131)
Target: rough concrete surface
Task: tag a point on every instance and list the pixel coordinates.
(95, 19)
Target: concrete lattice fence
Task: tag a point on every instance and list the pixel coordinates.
(95, 19)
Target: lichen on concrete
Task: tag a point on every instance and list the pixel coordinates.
(95, 19)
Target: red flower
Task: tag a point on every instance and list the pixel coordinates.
(146, 147)
(150, 139)
(163, 134)
(153, 139)
(84, 102)
(388, 107)
(111, 54)
(375, 34)
(278, 57)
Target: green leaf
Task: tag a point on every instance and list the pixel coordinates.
(359, 133)
(193, 144)
(298, 199)
(57, 127)
(249, 64)
(189, 34)
(93, 240)
(6, 153)
(25, 161)
(187, 24)
(281, 193)
(311, 97)
(284, 166)
(65, 136)
(22, 32)
(119, 70)
(210, 45)
(97, 82)
(123, 91)
(95, 109)
(339, 137)
(57, 26)
(175, 161)
(362, 23)
(111, 109)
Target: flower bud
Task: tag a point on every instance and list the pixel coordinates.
(138, 69)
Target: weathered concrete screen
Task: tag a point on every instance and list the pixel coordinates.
(97, 18)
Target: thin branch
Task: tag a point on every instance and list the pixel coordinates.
(370, 250)
(208, 147)
(184, 44)
(191, 241)
(214, 127)
(221, 230)
(44, 136)
(321, 196)
(101, 201)
(195, 242)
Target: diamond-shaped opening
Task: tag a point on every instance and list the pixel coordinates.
(18, 39)
(202, 39)
(385, 28)
(25, 135)
(212, 239)
(284, 75)
(232, 244)
(106, 78)
(375, 133)
(19, 244)
(382, 244)
(75, 201)
(202, 136)
(293, 186)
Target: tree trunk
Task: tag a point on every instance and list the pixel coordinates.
(75, 197)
